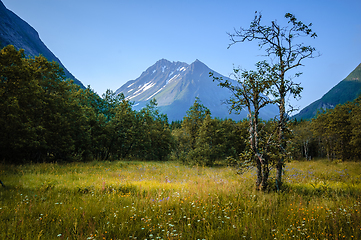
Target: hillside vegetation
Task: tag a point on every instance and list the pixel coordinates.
(345, 91)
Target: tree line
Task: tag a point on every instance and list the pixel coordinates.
(333, 133)
(45, 117)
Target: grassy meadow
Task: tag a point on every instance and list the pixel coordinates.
(167, 200)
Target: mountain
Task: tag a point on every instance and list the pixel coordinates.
(175, 85)
(346, 90)
(17, 32)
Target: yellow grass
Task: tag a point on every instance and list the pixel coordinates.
(154, 200)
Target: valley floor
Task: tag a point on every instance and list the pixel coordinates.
(154, 200)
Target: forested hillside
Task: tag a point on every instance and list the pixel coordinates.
(346, 90)
(333, 133)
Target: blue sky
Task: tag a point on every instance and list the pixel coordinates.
(105, 43)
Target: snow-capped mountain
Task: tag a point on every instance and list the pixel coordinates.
(161, 76)
(175, 85)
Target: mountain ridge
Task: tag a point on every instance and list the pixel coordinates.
(15, 31)
(175, 85)
(346, 90)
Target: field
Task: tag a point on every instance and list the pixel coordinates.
(154, 200)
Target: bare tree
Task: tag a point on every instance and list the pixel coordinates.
(285, 53)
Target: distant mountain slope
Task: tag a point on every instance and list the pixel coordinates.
(17, 32)
(346, 90)
(175, 85)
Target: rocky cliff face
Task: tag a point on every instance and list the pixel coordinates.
(17, 32)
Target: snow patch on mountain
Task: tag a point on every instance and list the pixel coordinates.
(155, 93)
(175, 76)
(131, 85)
(163, 68)
(154, 71)
(148, 85)
(141, 89)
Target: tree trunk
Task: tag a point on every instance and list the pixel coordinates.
(265, 174)
(305, 149)
(259, 175)
(282, 144)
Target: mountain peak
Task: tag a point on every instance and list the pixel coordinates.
(175, 85)
(197, 62)
(163, 61)
(198, 66)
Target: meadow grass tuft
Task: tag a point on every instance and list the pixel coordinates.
(167, 200)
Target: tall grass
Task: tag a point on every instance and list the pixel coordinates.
(151, 200)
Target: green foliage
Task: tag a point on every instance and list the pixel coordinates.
(345, 91)
(338, 130)
(303, 144)
(333, 133)
(40, 117)
(157, 139)
(193, 120)
(44, 117)
(203, 141)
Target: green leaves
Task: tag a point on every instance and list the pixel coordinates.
(339, 131)
(202, 140)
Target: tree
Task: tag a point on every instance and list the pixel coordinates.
(286, 54)
(356, 127)
(154, 130)
(186, 136)
(250, 91)
(302, 144)
(40, 118)
(209, 143)
(194, 119)
(339, 130)
(94, 113)
(19, 95)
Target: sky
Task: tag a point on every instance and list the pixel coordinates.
(105, 43)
